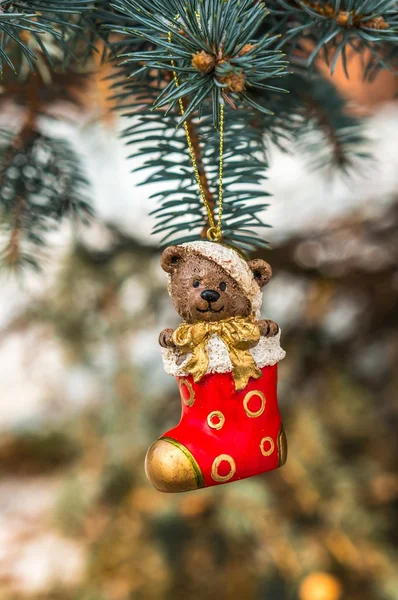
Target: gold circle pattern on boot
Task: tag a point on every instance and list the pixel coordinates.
(271, 446)
(216, 463)
(187, 401)
(250, 413)
(218, 415)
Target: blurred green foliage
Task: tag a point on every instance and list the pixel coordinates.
(332, 508)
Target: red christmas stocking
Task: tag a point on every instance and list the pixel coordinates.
(225, 359)
(223, 435)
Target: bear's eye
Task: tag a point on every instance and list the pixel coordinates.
(223, 286)
(196, 283)
(257, 274)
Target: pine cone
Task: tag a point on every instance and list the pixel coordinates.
(203, 62)
(234, 82)
(376, 23)
(342, 18)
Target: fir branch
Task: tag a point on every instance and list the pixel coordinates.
(283, 118)
(41, 182)
(214, 45)
(41, 29)
(315, 119)
(181, 215)
(335, 27)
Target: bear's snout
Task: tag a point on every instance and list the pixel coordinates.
(210, 295)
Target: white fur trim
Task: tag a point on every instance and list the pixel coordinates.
(267, 352)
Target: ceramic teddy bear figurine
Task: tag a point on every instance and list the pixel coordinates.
(225, 361)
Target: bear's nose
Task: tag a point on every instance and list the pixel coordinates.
(210, 295)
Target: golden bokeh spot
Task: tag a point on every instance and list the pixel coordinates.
(187, 392)
(266, 451)
(254, 413)
(320, 586)
(216, 465)
(215, 419)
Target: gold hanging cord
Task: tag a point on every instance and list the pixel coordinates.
(214, 233)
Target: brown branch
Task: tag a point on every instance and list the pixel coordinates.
(20, 143)
(23, 136)
(195, 139)
(33, 111)
(14, 247)
(315, 111)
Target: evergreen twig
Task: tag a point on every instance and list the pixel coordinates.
(223, 52)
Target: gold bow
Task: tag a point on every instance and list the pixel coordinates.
(238, 334)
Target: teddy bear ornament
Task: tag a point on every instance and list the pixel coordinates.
(225, 360)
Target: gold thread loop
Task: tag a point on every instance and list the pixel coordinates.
(216, 231)
(220, 174)
(213, 234)
(216, 463)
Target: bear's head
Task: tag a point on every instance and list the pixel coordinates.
(210, 282)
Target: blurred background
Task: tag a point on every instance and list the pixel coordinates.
(83, 392)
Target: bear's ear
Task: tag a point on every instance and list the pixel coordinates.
(171, 258)
(261, 270)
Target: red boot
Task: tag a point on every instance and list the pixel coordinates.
(223, 435)
(224, 358)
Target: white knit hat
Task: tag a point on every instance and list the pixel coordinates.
(235, 265)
